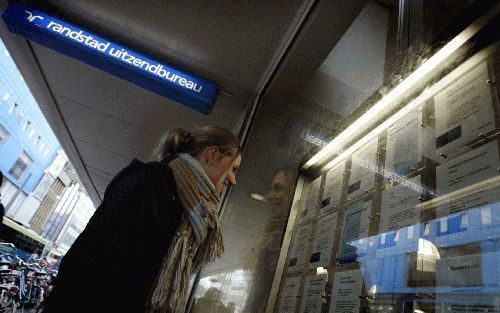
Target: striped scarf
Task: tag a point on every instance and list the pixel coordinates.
(197, 241)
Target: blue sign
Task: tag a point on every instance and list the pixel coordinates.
(113, 58)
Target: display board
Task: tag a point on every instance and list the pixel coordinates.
(313, 295)
(299, 248)
(409, 221)
(464, 111)
(355, 231)
(347, 287)
(326, 229)
(405, 144)
(362, 176)
(311, 201)
(289, 295)
(333, 187)
(400, 206)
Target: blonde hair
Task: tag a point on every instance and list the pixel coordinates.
(194, 142)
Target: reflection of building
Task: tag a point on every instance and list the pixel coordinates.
(232, 288)
(437, 258)
(27, 144)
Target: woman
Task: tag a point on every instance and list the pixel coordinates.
(155, 226)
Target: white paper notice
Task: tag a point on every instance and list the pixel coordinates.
(462, 271)
(326, 229)
(333, 187)
(461, 307)
(467, 169)
(314, 289)
(289, 295)
(464, 110)
(363, 170)
(355, 231)
(311, 203)
(299, 248)
(347, 287)
(482, 199)
(398, 206)
(404, 144)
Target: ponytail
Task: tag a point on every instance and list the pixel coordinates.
(193, 143)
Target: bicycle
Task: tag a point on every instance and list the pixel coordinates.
(22, 285)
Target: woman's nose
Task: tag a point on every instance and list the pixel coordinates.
(231, 180)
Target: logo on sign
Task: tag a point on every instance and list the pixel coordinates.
(32, 17)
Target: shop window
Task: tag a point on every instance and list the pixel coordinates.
(6, 97)
(26, 125)
(7, 191)
(20, 117)
(12, 108)
(32, 132)
(4, 134)
(21, 166)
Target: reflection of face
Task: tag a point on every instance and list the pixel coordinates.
(213, 294)
(279, 190)
(222, 171)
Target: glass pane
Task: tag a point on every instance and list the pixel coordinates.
(402, 217)
(413, 224)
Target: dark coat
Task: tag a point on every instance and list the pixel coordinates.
(114, 262)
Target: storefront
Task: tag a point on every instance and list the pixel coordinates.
(370, 181)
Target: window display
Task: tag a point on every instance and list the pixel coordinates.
(333, 187)
(464, 111)
(405, 144)
(425, 237)
(311, 202)
(346, 292)
(363, 170)
(357, 219)
(400, 206)
(313, 294)
(468, 169)
(397, 210)
(326, 229)
(299, 248)
(289, 296)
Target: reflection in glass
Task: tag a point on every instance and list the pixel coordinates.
(266, 250)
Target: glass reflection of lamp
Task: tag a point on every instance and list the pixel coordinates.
(257, 197)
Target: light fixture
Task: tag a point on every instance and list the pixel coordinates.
(258, 197)
(389, 101)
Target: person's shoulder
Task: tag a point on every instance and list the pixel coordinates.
(143, 174)
(129, 177)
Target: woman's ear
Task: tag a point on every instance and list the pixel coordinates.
(210, 153)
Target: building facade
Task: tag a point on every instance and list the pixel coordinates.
(27, 144)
